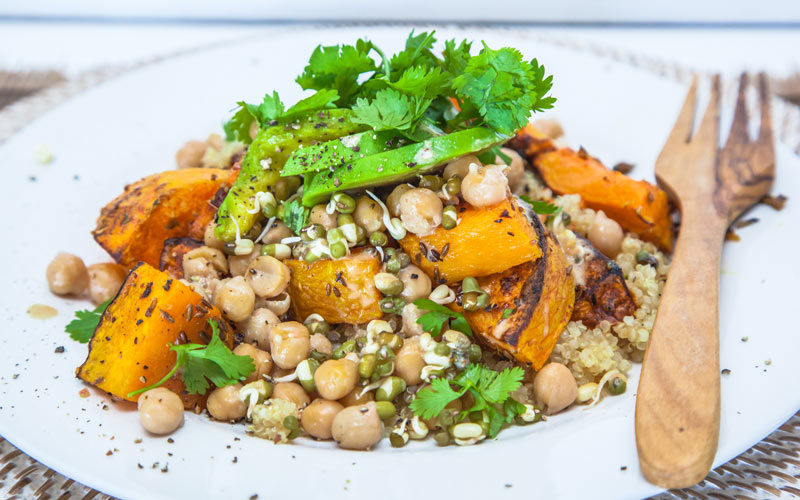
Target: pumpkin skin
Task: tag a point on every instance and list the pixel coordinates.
(341, 290)
(541, 294)
(486, 241)
(172, 204)
(130, 348)
(171, 261)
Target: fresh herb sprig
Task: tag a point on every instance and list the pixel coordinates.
(437, 316)
(417, 92)
(490, 389)
(541, 207)
(200, 364)
(82, 328)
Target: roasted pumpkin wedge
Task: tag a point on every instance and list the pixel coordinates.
(130, 347)
(486, 241)
(638, 206)
(600, 290)
(172, 253)
(157, 208)
(530, 304)
(341, 290)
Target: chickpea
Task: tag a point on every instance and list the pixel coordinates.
(416, 284)
(408, 363)
(267, 276)
(320, 215)
(205, 262)
(210, 238)
(207, 287)
(214, 141)
(160, 411)
(420, 211)
(515, 171)
(320, 343)
(554, 388)
(549, 127)
(105, 280)
(190, 155)
(258, 327)
(278, 305)
(67, 275)
(393, 200)
(277, 232)
(290, 344)
(224, 403)
(261, 359)
(354, 397)
(238, 264)
(289, 391)
(235, 298)
(411, 314)
(357, 427)
(485, 187)
(317, 418)
(369, 215)
(335, 378)
(606, 235)
(460, 166)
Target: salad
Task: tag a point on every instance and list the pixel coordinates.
(401, 254)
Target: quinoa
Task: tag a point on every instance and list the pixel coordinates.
(268, 420)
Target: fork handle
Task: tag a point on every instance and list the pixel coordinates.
(678, 400)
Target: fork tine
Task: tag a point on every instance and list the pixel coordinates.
(682, 130)
(709, 127)
(765, 132)
(739, 133)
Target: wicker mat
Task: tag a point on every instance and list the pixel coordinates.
(769, 470)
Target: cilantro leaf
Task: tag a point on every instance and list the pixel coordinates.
(456, 57)
(200, 364)
(421, 81)
(271, 108)
(541, 207)
(338, 67)
(82, 328)
(434, 320)
(238, 127)
(503, 88)
(459, 323)
(418, 51)
(497, 386)
(214, 362)
(431, 401)
(390, 110)
(295, 215)
(490, 389)
(507, 312)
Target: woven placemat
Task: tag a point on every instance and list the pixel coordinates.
(769, 470)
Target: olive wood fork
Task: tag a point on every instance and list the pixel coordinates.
(678, 400)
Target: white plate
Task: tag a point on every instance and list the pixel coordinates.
(130, 127)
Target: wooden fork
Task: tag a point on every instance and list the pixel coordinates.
(678, 400)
